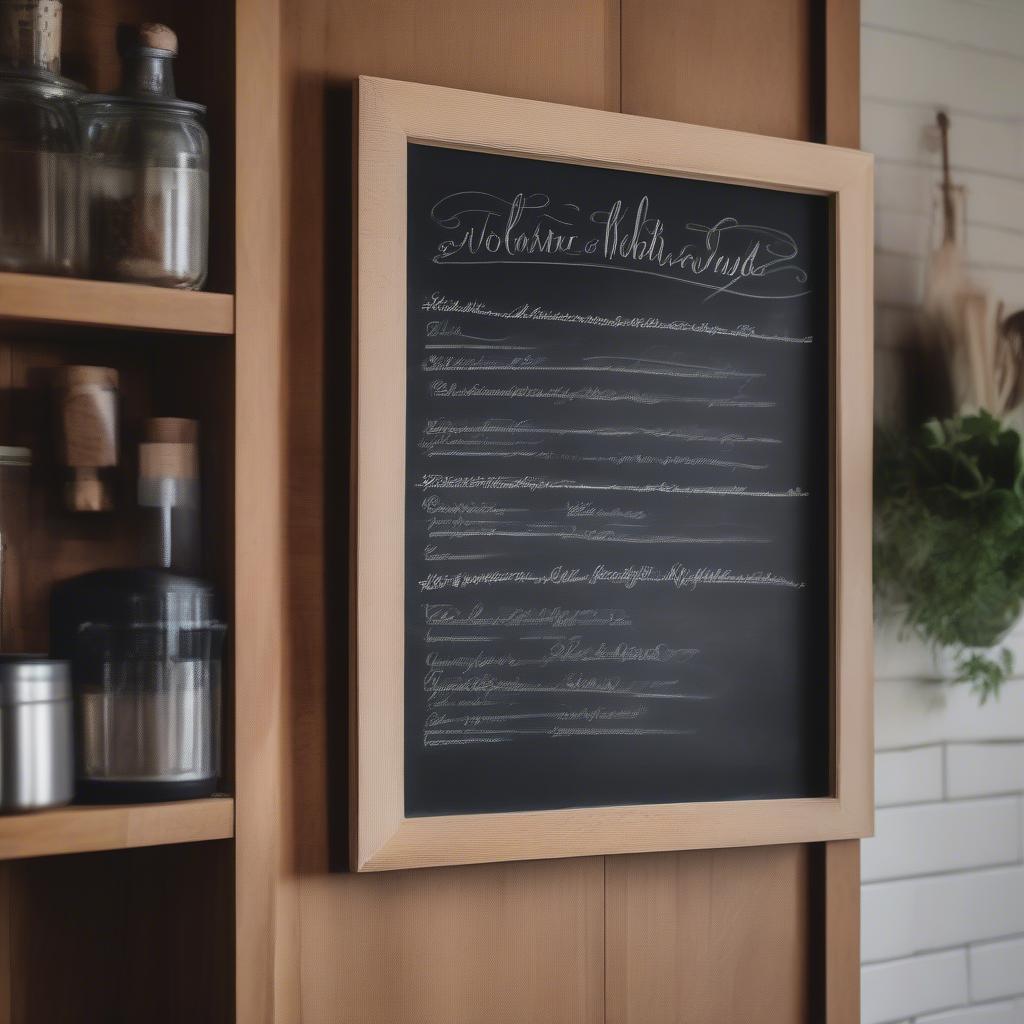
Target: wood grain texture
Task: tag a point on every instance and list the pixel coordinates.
(715, 937)
(136, 935)
(59, 300)
(565, 51)
(842, 72)
(503, 944)
(84, 829)
(6, 949)
(841, 982)
(492, 47)
(568, 51)
(260, 496)
(745, 64)
(839, 898)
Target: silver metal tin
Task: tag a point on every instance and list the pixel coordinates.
(36, 733)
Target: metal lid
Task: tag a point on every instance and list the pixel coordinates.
(11, 456)
(129, 598)
(32, 679)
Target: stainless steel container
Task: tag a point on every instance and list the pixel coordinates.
(36, 733)
(146, 655)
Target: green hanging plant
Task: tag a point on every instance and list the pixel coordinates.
(949, 539)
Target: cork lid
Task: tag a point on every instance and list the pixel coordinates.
(171, 430)
(160, 460)
(83, 376)
(30, 34)
(158, 37)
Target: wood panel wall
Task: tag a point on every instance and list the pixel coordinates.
(718, 937)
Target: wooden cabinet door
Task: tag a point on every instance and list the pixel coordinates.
(715, 937)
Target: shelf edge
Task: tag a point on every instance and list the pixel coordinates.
(80, 829)
(66, 300)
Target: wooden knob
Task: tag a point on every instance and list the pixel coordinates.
(158, 37)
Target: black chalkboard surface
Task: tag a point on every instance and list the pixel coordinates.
(617, 487)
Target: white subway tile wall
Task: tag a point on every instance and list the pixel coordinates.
(985, 1013)
(920, 915)
(894, 989)
(997, 969)
(977, 769)
(914, 776)
(943, 894)
(957, 835)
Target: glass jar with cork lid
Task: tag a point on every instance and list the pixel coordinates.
(41, 225)
(146, 166)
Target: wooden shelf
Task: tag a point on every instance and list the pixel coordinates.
(67, 300)
(122, 827)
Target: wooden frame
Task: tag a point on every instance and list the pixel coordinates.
(389, 115)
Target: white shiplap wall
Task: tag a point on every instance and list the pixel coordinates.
(943, 895)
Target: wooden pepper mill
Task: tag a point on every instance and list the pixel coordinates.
(88, 435)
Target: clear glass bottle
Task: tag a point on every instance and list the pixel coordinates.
(146, 165)
(41, 226)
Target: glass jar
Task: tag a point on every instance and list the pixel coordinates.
(146, 166)
(41, 228)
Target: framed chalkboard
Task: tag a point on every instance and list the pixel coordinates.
(612, 481)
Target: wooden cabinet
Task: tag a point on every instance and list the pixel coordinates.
(233, 909)
(724, 937)
(124, 913)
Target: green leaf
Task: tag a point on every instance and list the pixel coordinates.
(949, 538)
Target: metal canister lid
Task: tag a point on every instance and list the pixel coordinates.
(33, 678)
(13, 456)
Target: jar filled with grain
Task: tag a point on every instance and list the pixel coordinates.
(41, 228)
(146, 166)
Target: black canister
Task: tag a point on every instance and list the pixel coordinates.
(146, 649)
